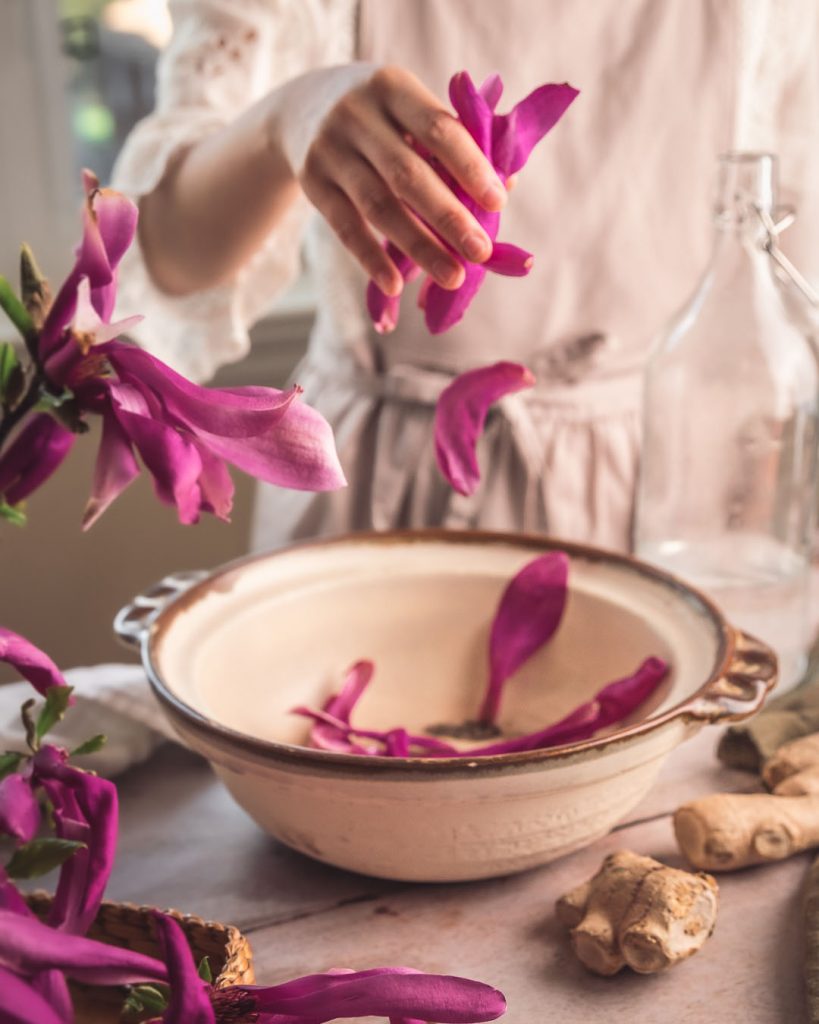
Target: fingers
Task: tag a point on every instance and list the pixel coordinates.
(378, 205)
(353, 233)
(412, 180)
(418, 111)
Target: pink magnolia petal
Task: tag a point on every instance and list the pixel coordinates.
(87, 320)
(491, 90)
(472, 108)
(20, 1003)
(110, 225)
(530, 610)
(115, 468)
(33, 456)
(230, 412)
(85, 810)
(609, 706)
(620, 698)
(299, 453)
(509, 260)
(189, 1002)
(515, 134)
(383, 308)
(172, 460)
(19, 810)
(27, 947)
(30, 662)
(381, 992)
(326, 735)
(460, 416)
(215, 485)
(443, 307)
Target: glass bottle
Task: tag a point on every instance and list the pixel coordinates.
(727, 491)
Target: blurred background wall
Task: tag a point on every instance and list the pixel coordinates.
(75, 75)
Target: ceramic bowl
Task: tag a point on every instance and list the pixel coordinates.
(230, 652)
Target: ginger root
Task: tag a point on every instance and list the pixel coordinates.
(804, 783)
(638, 912)
(791, 759)
(734, 830)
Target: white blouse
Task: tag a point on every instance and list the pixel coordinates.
(615, 204)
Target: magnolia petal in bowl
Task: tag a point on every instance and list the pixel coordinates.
(231, 652)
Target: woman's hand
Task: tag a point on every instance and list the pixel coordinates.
(347, 135)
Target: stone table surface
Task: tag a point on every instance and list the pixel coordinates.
(185, 844)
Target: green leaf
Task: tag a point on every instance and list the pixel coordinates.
(15, 514)
(41, 856)
(205, 973)
(15, 310)
(153, 998)
(90, 746)
(9, 763)
(56, 704)
(12, 379)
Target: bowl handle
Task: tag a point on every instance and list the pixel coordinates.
(132, 623)
(741, 691)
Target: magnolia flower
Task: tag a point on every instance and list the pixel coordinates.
(183, 433)
(403, 995)
(507, 140)
(460, 414)
(84, 807)
(528, 615)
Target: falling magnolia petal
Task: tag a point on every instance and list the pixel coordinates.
(394, 992)
(35, 453)
(460, 415)
(189, 1002)
(528, 615)
(28, 947)
(30, 662)
(19, 810)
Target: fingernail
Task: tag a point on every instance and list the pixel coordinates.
(494, 197)
(446, 275)
(476, 247)
(388, 284)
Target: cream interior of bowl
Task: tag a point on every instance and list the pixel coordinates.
(281, 630)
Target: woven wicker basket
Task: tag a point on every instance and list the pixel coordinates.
(132, 927)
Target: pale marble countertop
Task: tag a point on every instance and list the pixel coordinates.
(185, 844)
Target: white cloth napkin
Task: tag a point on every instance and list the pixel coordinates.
(112, 699)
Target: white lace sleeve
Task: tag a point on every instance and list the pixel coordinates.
(224, 55)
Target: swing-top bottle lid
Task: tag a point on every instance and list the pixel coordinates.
(746, 181)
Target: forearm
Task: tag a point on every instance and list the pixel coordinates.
(217, 203)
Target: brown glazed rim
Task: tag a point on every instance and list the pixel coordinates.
(236, 742)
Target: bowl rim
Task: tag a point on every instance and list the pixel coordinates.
(375, 764)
